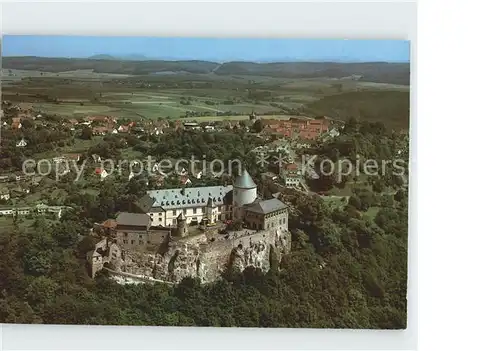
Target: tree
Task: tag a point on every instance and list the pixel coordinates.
(355, 202)
(378, 186)
(258, 126)
(235, 225)
(37, 262)
(137, 186)
(86, 133)
(85, 245)
(66, 233)
(41, 290)
(28, 124)
(400, 196)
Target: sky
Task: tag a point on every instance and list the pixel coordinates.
(212, 49)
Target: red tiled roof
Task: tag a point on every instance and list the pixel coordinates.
(98, 118)
(308, 135)
(124, 128)
(184, 179)
(100, 129)
(109, 223)
(72, 156)
(291, 167)
(305, 129)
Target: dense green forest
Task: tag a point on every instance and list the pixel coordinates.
(346, 269)
(389, 107)
(343, 272)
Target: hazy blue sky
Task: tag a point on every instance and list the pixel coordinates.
(220, 50)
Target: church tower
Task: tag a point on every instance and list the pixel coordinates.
(244, 193)
(181, 225)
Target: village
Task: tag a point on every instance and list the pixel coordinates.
(279, 136)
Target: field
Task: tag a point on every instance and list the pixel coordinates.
(203, 95)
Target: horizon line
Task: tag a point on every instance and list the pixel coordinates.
(146, 58)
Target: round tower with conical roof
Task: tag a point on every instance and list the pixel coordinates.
(181, 225)
(244, 193)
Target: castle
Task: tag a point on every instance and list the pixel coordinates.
(175, 233)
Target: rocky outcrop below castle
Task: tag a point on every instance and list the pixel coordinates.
(202, 256)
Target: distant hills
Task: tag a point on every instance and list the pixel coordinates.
(130, 57)
(378, 72)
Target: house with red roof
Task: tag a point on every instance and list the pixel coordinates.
(72, 157)
(101, 119)
(123, 129)
(101, 172)
(100, 130)
(16, 123)
(184, 180)
(291, 175)
(305, 129)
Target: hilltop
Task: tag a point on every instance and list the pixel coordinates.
(130, 57)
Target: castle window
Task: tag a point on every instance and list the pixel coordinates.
(125, 241)
(125, 234)
(141, 242)
(175, 212)
(132, 242)
(149, 242)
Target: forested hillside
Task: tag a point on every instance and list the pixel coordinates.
(347, 268)
(378, 72)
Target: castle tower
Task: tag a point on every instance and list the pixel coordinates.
(211, 211)
(181, 225)
(244, 193)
